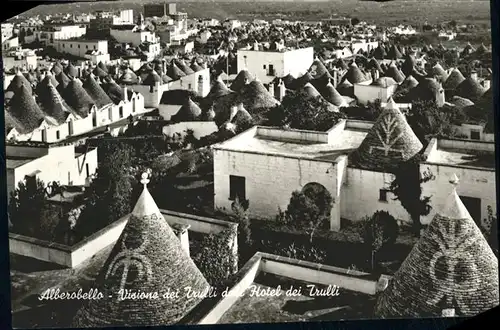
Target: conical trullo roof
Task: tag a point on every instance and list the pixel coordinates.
(114, 91)
(70, 70)
(24, 109)
(455, 78)
(374, 64)
(409, 83)
(331, 95)
(303, 80)
(103, 67)
(174, 71)
(408, 65)
(389, 142)
(96, 92)
(196, 67)
(310, 91)
(128, 77)
(52, 103)
(78, 98)
(241, 80)
(63, 81)
(184, 67)
(57, 68)
(218, 89)
(148, 257)
(394, 53)
(98, 72)
(451, 266)
(255, 96)
(379, 53)
(354, 75)
(189, 111)
(394, 73)
(317, 69)
(439, 73)
(470, 89)
(17, 82)
(289, 80)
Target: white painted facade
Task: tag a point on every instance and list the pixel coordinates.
(198, 82)
(267, 65)
(475, 181)
(134, 36)
(474, 132)
(370, 93)
(9, 43)
(75, 126)
(357, 193)
(81, 48)
(64, 32)
(62, 164)
(199, 128)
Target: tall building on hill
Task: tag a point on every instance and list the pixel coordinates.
(160, 9)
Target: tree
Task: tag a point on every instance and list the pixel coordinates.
(355, 21)
(240, 215)
(379, 231)
(428, 120)
(30, 212)
(110, 193)
(407, 189)
(309, 209)
(299, 111)
(26, 206)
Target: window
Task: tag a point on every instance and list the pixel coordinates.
(475, 134)
(237, 187)
(87, 170)
(86, 46)
(264, 66)
(58, 135)
(78, 46)
(382, 195)
(189, 86)
(70, 45)
(120, 110)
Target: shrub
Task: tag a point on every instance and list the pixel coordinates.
(309, 210)
(379, 231)
(215, 258)
(300, 252)
(240, 216)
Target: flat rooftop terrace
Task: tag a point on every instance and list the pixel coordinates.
(475, 154)
(255, 307)
(297, 144)
(15, 161)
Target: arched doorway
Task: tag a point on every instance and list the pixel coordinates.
(320, 197)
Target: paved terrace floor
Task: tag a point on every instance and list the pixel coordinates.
(346, 141)
(449, 156)
(250, 308)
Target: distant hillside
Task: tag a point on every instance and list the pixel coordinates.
(409, 11)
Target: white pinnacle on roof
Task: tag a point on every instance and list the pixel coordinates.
(454, 208)
(391, 105)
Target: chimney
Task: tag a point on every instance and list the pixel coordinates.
(486, 84)
(282, 90)
(473, 75)
(125, 94)
(234, 111)
(271, 89)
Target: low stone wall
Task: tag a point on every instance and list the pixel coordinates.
(72, 256)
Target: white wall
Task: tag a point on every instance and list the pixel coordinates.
(370, 93)
(58, 164)
(277, 176)
(199, 128)
(80, 48)
(296, 62)
(473, 183)
(360, 195)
